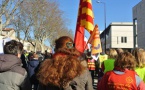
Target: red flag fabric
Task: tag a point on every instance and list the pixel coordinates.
(84, 21)
(79, 38)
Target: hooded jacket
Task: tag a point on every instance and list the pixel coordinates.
(32, 66)
(12, 75)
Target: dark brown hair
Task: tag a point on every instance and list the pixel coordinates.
(13, 47)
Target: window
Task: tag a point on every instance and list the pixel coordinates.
(123, 39)
(117, 40)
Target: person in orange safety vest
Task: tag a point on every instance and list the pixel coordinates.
(91, 65)
(123, 76)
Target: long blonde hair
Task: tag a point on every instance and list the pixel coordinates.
(112, 53)
(139, 54)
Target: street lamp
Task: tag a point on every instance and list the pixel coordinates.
(104, 11)
(104, 21)
(1, 27)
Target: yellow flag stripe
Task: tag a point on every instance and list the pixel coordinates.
(89, 26)
(88, 11)
(89, 1)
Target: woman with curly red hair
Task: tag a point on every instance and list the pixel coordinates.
(64, 71)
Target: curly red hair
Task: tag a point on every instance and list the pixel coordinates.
(62, 68)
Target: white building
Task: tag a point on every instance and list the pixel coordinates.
(9, 34)
(118, 35)
(139, 30)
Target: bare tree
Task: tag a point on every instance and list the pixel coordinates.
(8, 9)
(36, 21)
(47, 20)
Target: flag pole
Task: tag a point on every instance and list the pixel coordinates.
(84, 21)
(91, 36)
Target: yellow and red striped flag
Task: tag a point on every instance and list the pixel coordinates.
(84, 21)
(87, 19)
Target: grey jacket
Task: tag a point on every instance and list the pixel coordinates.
(12, 75)
(82, 82)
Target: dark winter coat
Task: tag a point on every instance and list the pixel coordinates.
(23, 58)
(32, 69)
(32, 65)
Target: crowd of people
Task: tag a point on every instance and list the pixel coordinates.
(123, 76)
(69, 69)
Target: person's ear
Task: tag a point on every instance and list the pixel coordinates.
(19, 55)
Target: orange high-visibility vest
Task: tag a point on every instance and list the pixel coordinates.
(125, 81)
(91, 64)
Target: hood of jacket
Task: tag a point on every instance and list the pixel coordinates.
(33, 63)
(11, 63)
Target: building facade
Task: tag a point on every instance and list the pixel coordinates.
(118, 35)
(139, 29)
(9, 34)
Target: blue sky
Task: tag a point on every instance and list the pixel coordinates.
(116, 11)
